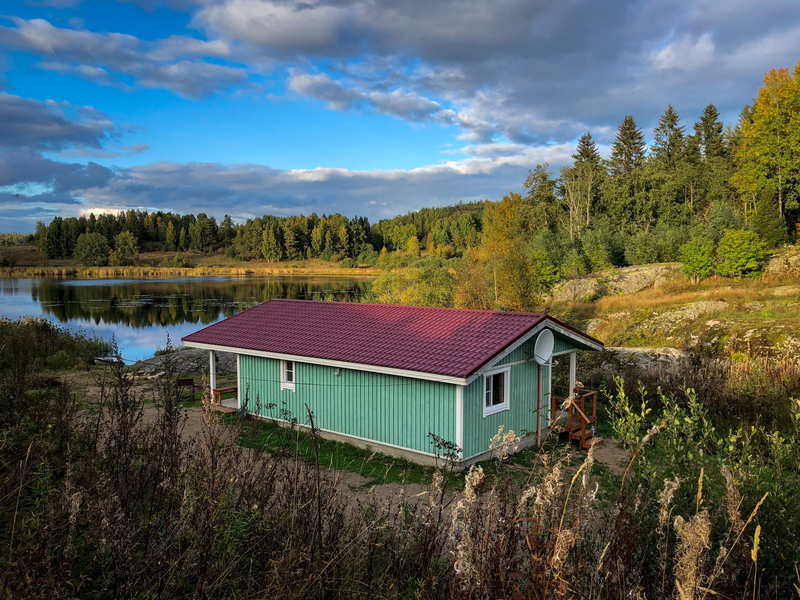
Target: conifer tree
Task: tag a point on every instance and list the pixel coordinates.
(668, 139)
(270, 246)
(628, 150)
(586, 151)
(709, 133)
(170, 237)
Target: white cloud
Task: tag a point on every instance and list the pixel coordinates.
(685, 53)
(177, 63)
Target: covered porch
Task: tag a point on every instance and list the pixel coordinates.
(578, 416)
(226, 396)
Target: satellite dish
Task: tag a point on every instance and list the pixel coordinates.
(543, 349)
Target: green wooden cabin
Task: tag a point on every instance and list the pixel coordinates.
(384, 377)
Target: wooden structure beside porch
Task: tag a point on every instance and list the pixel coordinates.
(579, 425)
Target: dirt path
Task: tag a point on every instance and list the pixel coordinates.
(611, 456)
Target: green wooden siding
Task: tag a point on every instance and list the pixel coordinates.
(562, 344)
(521, 417)
(383, 408)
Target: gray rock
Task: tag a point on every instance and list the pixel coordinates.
(580, 288)
(633, 279)
(787, 290)
(776, 264)
(794, 261)
(670, 318)
(613, 282)
(592, 325)
(192, 361)
(649, 357)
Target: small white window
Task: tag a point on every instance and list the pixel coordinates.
(495, 392)
(287, 375)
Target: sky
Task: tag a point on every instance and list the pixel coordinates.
(363, 107)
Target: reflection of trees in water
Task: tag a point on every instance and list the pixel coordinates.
(159, 303)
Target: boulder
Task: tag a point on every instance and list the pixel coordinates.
(776, 265)
(615, 282)
(670, 318)
(648, 357)
(580, 288)
(787, 290)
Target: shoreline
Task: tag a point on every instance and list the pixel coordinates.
(153, 272)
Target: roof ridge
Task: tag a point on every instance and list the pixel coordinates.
(413, 306)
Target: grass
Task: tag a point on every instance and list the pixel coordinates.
(28, 263)
(376, 467)
(627, 320)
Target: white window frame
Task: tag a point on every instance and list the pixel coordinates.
(506, 403)
(285, 384)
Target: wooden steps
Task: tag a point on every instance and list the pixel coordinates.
(577, 423)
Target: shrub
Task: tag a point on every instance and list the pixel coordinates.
(697, 258)
(668, 241)
(543, 272)
(126, 248)
(740, 252)
(721, 217)
(768, 223)
(574, 264)
(446, 251)
(641, 249)
(92, 250)
(347, 263)
(367, 256)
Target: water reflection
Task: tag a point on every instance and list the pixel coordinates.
(140, 312)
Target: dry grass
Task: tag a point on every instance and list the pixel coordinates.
(206, 267)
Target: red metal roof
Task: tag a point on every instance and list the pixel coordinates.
(444, 341)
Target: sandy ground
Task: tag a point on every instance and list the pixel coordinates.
(611, 456)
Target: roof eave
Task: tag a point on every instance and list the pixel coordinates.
(438, 377)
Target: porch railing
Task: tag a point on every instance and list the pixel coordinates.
(578, 423)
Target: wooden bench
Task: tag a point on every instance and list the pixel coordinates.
(218, 393)
(182, 384)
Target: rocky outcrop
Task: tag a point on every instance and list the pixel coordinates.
(615, 282)
(648, 357)
(670, 318)
(786, 290)
(786, 259)
(191, 361)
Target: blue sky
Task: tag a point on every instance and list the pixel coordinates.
(365, 107)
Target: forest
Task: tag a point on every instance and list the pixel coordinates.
(716, 197)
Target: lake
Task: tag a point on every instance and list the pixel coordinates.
(140, 313)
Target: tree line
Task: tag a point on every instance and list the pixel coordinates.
(674, 199)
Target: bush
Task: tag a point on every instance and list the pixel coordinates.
(602, 247)
(641, 249)
(668, 241)
(740, 252)
(721, 217)
(92, 250)
(126, 248)
(697, 256)
(575, 264)
(347, 263)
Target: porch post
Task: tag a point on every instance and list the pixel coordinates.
(573, 357)
(239, 379)
(212, 371)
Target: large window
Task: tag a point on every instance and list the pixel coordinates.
(287, 375)
(495, 392)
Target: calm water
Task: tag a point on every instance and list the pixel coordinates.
(140, 313)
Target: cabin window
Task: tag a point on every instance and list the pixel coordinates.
(287, 375)
(495, 392)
